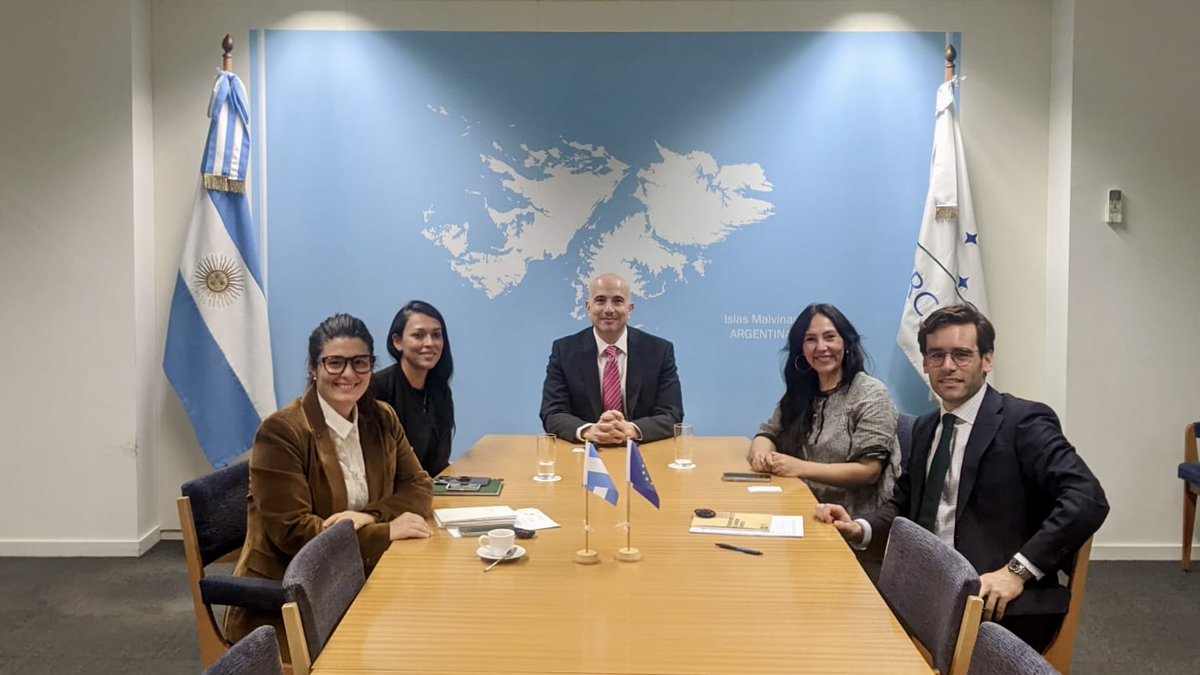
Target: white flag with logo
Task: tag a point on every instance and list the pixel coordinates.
(947, 267)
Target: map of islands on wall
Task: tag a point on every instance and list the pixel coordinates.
(733, 178)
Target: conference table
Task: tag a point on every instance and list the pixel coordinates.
(804, 606)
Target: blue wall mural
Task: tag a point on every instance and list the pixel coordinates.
(732, 177)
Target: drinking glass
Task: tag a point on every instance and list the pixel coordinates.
(683, 447)
(545, 459)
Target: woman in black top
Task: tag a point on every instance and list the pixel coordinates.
(418, 385)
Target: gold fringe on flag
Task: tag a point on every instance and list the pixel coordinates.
(224, 184)
(940, 213)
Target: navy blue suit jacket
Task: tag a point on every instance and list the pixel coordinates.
(571, 395)
(1023, 488)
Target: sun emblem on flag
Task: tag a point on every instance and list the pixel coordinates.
(218, 280)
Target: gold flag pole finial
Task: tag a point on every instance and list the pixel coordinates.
(227, 59)
(951, 56)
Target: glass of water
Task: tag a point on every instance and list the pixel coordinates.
(683, 447)
(545, 459)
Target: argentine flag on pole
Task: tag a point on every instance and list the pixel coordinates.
(948, 268)
(596, 477)
(218, 353)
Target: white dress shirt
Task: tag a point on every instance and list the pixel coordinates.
(344, 433)
(943, 526)
(622, 345)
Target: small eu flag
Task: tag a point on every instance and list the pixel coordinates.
(639, 477)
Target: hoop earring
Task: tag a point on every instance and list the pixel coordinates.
(796, 365)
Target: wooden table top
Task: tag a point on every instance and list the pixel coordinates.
(805, 606)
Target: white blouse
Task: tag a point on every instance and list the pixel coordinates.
(344, 433)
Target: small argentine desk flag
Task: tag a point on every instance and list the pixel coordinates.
(218, 353)
(596, 477)
(947, 267)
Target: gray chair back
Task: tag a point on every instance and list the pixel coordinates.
(255, 654)
(999, 652)
(219, 509)
(904, 433)
(323, 579)
(927, 584)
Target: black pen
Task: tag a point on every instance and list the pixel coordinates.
(747, 551)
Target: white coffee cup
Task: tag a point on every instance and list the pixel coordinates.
(498, 541)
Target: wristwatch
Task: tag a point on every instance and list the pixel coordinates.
(1020, 570)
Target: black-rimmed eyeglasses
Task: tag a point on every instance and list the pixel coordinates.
(336, 365)
(962, 357)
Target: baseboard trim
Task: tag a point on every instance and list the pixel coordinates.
(1141, 552)
(79, 548)
(171, 535)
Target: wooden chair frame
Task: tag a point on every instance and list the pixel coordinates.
(1062, 647)
(968, 633)
(1190, 492)
(212, 641)
(297, 644)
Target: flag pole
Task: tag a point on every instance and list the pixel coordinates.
(629, 553)
(227, 59)
(585, 555)
(951, 56)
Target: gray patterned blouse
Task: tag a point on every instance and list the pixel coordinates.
(850, 424)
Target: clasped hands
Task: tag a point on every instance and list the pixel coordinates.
(407, 525)
(777, 463)
(612, 429)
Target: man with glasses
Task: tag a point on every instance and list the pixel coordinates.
(993, 476)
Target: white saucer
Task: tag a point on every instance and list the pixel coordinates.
(485, 553)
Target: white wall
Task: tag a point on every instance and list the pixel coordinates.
(68, 209)
(1131, 375)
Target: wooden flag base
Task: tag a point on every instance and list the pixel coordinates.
(629, 555)
(586, 556)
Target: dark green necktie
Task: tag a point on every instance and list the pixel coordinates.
(927, 516)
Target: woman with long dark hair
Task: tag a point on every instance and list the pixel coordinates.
(835, 426)
(333, 454)
(417, 385)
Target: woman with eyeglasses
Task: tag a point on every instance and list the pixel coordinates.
(333, 454)
(417, 385)
(835, 426)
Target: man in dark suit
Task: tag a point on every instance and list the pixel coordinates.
(993, 476)
(610, 383)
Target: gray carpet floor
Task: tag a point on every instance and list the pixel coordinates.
(125, 615)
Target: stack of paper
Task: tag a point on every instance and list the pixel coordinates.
(750, 524)
(475, 516)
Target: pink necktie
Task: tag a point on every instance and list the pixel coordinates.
(611, 387)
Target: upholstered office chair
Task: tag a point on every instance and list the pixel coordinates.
(320, 583)
(904, 432)
(212, 515)
(999, 652)
(1189, 471)
(1062, 647)
(255, 654)
(934, 592)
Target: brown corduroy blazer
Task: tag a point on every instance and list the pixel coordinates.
(296, 483)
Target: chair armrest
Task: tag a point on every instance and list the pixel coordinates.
(1190, 473)
(264, 595)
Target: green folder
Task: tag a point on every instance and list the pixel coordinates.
(442, 488)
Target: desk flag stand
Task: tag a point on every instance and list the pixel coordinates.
(629, 553)
(596, 480)
(637, 479)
